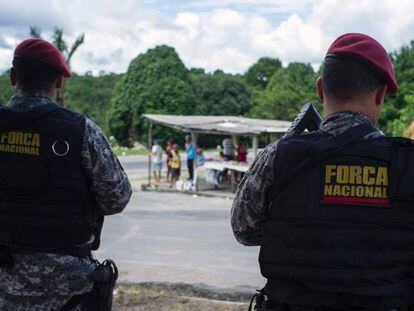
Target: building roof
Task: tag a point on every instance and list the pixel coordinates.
(220, 125)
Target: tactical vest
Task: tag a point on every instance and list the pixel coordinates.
(341, 228)
(45, 203)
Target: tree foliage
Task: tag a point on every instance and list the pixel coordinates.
(220, 94)
(287, 91)
(398, 110)
(259, 74)
(156, 82)
(6, 90)
(91, 95)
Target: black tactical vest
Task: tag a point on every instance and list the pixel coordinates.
(45, 203)
(341, 231)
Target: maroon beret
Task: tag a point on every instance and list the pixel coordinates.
(44, 52)
(369, 51)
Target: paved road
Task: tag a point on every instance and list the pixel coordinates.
(168, 237)
(137, 166)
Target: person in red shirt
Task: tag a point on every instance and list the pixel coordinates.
(242, 153)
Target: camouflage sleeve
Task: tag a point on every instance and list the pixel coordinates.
(109, 182)
(250, 211)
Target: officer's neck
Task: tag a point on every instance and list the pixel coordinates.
(366, 109)
(40, 92)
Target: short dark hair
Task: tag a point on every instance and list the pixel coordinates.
(33, 75)
(346, 78)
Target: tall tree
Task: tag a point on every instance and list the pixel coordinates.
(156, 82)
(259, 74)
(219, 93)
(287, 91)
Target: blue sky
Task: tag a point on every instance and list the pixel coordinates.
(213, 34)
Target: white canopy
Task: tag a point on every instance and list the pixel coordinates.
(220, 125)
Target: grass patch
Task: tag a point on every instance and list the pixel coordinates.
(179, 297)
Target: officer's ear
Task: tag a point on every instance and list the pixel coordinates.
(319, 88)
(380, 95)
(12, 77)
(59, 82)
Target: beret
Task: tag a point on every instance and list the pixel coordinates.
(369, 51)
(44, 52)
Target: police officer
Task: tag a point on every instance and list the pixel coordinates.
(59, 178)
(333, 209)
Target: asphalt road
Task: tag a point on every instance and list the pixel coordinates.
(169, 237)
(137, 166)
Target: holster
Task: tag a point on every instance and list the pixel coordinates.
(104, 276)
(100, 298)
(258, 300)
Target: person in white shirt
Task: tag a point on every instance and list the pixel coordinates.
(157, 152)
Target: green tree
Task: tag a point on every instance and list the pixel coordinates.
(6, 90)
(91, 95)
(220, 94)
(156, 81)
(398, 110)
(259, 74)
(288, 90)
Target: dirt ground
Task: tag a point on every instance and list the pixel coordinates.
(176, 297)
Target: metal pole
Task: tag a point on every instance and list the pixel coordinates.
(150, 152)
(255, 145)
(194, 137)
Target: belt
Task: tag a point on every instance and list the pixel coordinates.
(79, 250)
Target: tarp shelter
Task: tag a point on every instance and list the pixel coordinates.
(217, 125)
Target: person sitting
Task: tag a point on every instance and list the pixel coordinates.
(199, 157)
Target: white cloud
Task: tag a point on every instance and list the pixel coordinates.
(213, 34)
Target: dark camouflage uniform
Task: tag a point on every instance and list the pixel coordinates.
(250, 209)
(47, 281)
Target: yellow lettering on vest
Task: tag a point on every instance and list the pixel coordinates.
(337, 190)
(345, 191)
(12, 148)
(33, 150)
(343, 174)
(378, 192)
(11, 138)
(366, 176)
(327, 190)
(355, 175)
(382, 176)
(36, 140)
(384, 192)
(329, 173)
(1, 147)
(3, 138)
(359, 191)
(26, 139)
(369, 192)
(19, 138)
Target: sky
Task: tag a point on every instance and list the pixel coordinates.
(230, 35)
